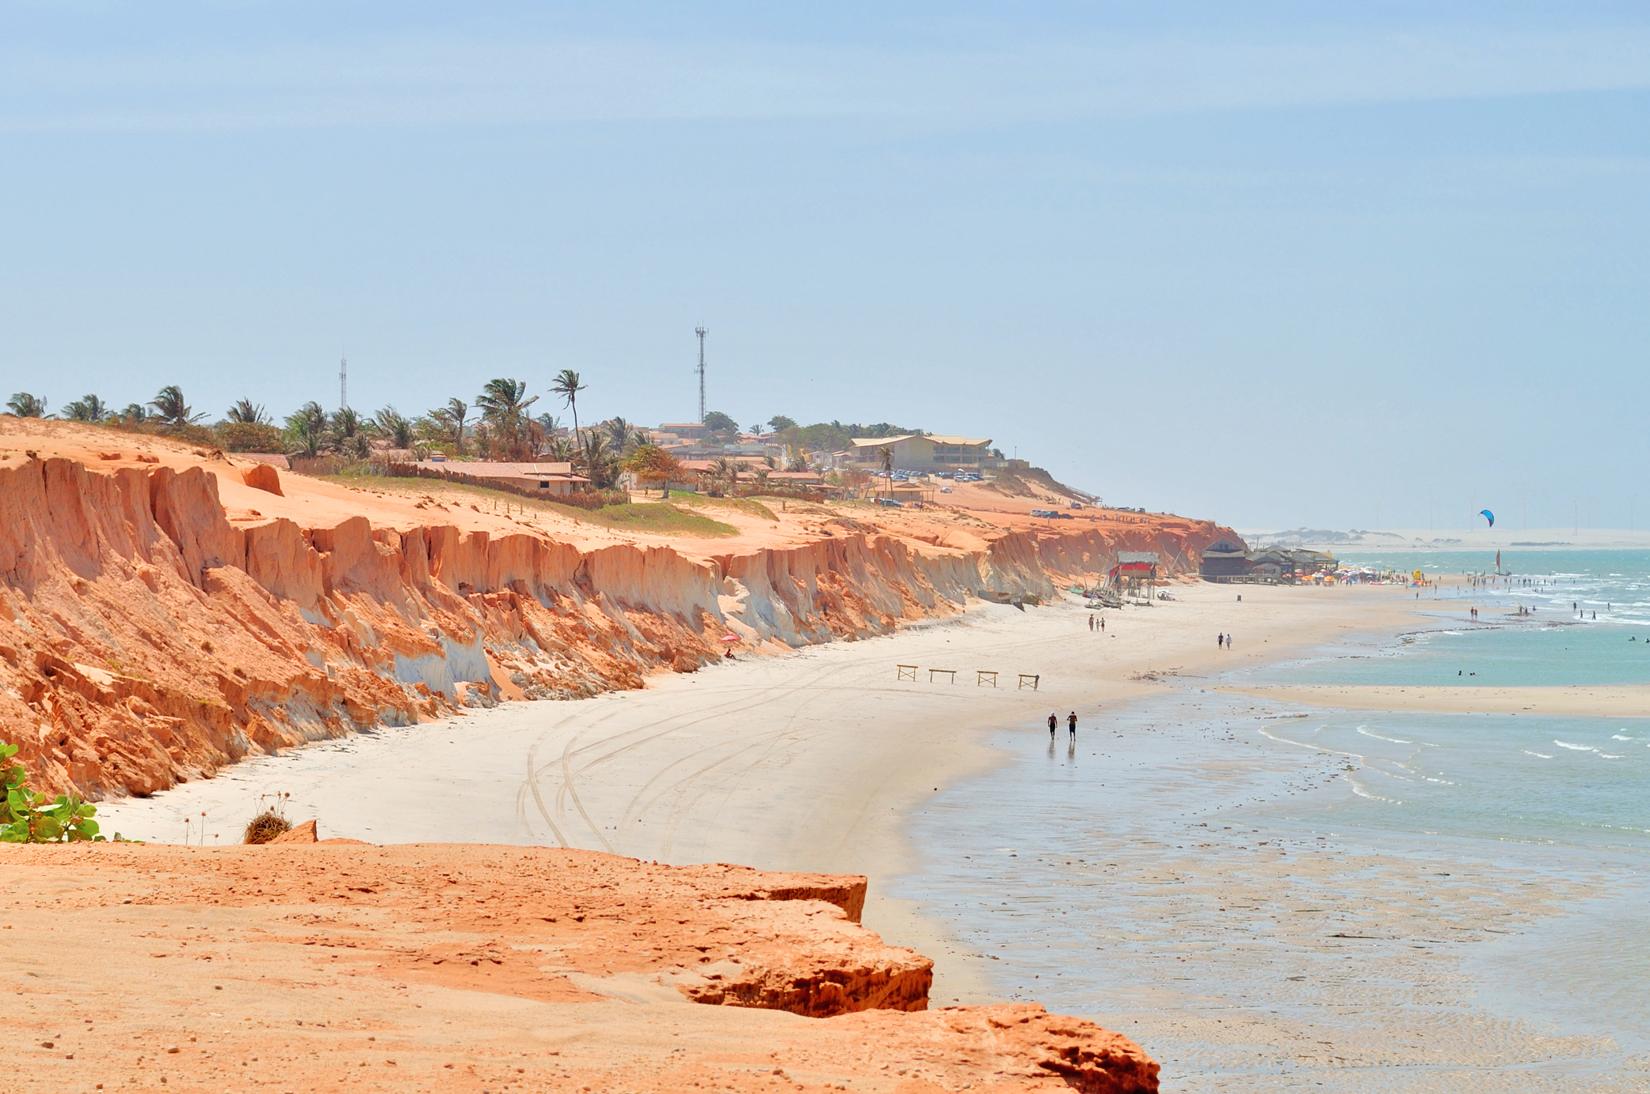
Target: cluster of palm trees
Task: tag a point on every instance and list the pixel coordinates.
(167, 408)
(497, 425)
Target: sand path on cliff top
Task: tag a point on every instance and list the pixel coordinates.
(803, 761)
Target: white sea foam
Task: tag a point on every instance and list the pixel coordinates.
(1574, 748)
(1371, 795)
(1378, 737)
(1538, 755)
(1621, 737)
(1608, 756)
(1307, 744)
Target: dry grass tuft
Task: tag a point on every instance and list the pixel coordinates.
(265, 827)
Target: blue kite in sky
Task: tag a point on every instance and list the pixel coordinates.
(1487, 515)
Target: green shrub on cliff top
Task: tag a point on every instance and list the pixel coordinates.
(25, 819)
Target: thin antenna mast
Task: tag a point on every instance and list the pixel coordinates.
(700, 331)
(343, 383)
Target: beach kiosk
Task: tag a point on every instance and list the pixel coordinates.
(1132, 570)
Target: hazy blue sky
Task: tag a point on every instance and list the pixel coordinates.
(1358, 264)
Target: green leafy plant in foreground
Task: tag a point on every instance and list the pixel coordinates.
(26, 816)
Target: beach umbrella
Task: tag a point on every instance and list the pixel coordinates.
(730, 638)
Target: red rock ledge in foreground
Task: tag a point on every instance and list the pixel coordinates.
(318, 966)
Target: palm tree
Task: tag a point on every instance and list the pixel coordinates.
(624, 437)
(25, 405)
(134, 414)
(597, 460)
(347, 433)
(306, 427)
(503, 404)
(171, 409)
(394, 426)
(246, 412)
(567, 384)
(560, 449)
(726, 470)
(452, 418)
(87, 408)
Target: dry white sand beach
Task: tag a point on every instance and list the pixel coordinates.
(799, 761)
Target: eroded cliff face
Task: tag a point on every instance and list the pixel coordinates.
(146, 638)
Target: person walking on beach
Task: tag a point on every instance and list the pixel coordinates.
(1053, 724)
(1220, 639)
(1071, 723)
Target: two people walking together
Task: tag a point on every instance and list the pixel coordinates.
(1054, 724)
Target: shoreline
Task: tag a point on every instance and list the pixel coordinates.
(815, 759)
(1257, 934)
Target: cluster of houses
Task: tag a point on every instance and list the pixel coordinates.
(920, 452)
(926, 452)
(917, 460)
(1232, 562)
(703, 456)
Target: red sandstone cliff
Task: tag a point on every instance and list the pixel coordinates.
(148, 634)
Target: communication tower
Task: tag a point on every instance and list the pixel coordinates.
(700, 331)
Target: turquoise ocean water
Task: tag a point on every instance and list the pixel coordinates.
(1582, 782)
(1096, 850)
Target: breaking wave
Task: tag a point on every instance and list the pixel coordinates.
(1394, 740)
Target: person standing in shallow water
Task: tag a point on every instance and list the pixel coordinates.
(1071, 722)
(1053, 724)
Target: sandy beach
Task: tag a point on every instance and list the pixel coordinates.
(1601, 701)
(825, 759)
(803, 761)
